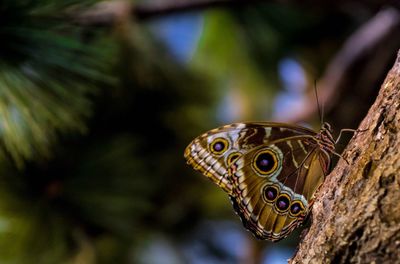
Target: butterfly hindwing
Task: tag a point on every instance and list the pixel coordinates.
(274, 184)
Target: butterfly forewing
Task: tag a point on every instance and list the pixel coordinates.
(213, 152)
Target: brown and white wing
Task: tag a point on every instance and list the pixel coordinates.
(213, 152)
(273, 185)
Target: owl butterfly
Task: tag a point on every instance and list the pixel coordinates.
(271, 171)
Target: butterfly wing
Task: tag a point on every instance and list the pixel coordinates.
(273, 185)
(213, 152)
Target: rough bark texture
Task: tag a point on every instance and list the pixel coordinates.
(356, 217)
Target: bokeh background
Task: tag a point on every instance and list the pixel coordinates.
(99, 100)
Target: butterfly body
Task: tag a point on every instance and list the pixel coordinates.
(271, 171)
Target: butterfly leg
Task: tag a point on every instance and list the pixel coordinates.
(340, 156)
(348, 130)
(344, 130)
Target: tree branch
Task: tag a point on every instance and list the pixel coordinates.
(172, 7)
(356, 216)
(364, 56)
(108, 13)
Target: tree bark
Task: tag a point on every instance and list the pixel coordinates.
(356, 215)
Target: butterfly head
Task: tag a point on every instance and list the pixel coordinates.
(326, 126)
(325, 137)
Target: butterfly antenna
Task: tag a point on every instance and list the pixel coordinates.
(320, 109)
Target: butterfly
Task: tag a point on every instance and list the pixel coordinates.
(271, 171)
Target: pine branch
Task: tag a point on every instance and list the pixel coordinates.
(46, 76)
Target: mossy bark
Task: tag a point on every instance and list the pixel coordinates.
(356, 216)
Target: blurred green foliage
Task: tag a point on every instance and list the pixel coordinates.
(70, 176)
(94, 121)
(47, 73)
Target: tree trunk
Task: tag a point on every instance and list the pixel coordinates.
(356, 215)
